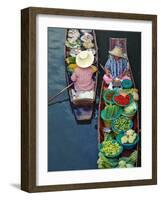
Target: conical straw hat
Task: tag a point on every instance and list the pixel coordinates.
(117, 51)
(84, 59)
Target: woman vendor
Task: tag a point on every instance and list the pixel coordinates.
(116, 66)
(82, 76)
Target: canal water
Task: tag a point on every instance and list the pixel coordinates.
(72, 146)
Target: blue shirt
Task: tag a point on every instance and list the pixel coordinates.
(116, 67)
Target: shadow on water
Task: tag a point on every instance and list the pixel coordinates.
(55, 102)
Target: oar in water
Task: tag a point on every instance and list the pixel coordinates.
(102, 67)
(53, 97)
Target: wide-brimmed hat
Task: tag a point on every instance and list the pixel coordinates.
(84, 59)
(117, 51)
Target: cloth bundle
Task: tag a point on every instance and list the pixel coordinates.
(83, 94)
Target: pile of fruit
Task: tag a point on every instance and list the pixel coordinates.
(122, 100)
(123, 162)
(122, 124)
(118, 119)
(129, 137)
(132, 91)
(111, 112)
(73, 40)
(111, 148)
(131, 108)
(128, 162)
(109, 96)
(106, 163)
(78, 40)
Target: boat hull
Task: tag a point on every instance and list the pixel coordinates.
(82, 108)
(101, 125)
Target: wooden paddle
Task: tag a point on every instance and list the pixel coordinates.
(53, 97)
(102, 67)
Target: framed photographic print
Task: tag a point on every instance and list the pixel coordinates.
(89, 99)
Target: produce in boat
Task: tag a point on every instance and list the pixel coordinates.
(81, 104)
(125, 95)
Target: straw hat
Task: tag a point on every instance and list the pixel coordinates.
(84, 59)
(117, 51)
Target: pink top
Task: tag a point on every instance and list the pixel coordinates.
(83, 79)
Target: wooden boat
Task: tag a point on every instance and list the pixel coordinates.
(101, 134)
(82, 108)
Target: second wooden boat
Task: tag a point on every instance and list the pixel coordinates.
(102, 129)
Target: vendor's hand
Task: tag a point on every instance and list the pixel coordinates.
(109, 75)
(107, 72)
(126, 73)
(123, 94)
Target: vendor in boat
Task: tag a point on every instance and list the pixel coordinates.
(82, 76)
(116, 66)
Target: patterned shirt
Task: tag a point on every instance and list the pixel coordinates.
(116, 67)
(83, 79)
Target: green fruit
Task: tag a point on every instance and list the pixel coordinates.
(133, 156)
(122, 163)
(110, 148)
(71, 60)
(129, 165)
(104, 162)
(122, 123)
(111, 111)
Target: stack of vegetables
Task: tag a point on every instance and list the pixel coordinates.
(110, 148)
(78, 40)
(121, 124)
(122, 162)
(127, 162)
(129, 137)
(120, 107)
(111, 112)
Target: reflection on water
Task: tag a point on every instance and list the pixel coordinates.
(71, 146)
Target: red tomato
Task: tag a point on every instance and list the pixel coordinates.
(122, 100)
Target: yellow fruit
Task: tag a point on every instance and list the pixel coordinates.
(94, 68)
(135, 96)
(124, 140)
(73, 66)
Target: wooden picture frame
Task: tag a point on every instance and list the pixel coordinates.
(28, 98)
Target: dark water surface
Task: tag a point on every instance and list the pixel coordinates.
(72, 146)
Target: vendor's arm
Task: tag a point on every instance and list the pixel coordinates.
(74, 76)
(126, 64)
(125, 67)
(107, 67)
(107, 71)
